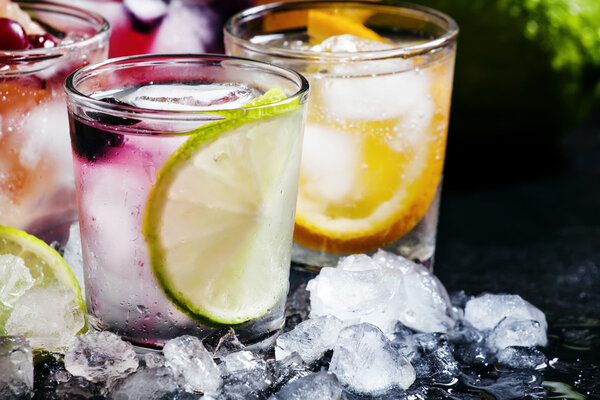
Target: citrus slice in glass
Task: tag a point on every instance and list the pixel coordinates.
(219, 220)
(322, 25)
(39, 295)
(373, 196)
(366, 183)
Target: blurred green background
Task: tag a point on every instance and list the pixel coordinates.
(527, 73)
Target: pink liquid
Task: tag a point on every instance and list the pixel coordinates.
(114, 174)
(175, 26)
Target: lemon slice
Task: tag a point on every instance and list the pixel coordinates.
(219, 220)
(39, 295)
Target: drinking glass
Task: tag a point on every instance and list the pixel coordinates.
(37, 192)
(186, 169)
(377, 121)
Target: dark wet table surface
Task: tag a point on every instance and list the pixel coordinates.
(536, 235)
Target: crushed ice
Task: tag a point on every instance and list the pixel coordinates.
(377, 326)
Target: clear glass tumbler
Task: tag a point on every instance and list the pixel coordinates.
(381, 81)
(186, 169)
(37, 192)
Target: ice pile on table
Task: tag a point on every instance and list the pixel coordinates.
(388, 321)
(375, 326)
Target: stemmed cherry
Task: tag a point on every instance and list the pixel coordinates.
(14, 37)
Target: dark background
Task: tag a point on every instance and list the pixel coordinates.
(536, 234)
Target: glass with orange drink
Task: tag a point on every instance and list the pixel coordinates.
(373, 154)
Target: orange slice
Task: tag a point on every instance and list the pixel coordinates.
(286, 20)
(322, 25)
(365, 184)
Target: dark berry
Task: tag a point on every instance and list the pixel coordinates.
(12, 35)
(41, 41)
(90, 142)
(112, 119)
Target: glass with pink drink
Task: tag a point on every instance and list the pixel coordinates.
(187, 174)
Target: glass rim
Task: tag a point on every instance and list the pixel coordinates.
(42, 54)
(89, 71)
(442, 41)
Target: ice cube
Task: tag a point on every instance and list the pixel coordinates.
(356, 296)
(16, 367)
(377, 90)
(310, 339)
(427, 304)
(50, 143)
(72, 255)
(239, 362)
(245, 375)
(287, 370)
(154, 359)
(319, 386)
(519, 357)
(486, 311)
(48, 316)
(517, 332)
(336, 153)
(146, 384)
(404, 340)
(16, 280)
(100, 356)
(192, 364)
(187, 28)
(350, 44)
(366, 362)
(381, 290)
(434, 362)
(181, 97)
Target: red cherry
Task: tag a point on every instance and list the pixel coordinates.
(12, 35)
(41, 41)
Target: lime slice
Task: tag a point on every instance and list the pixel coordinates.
(39, 296)
(218, 221)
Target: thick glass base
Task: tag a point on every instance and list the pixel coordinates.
(258, 334)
